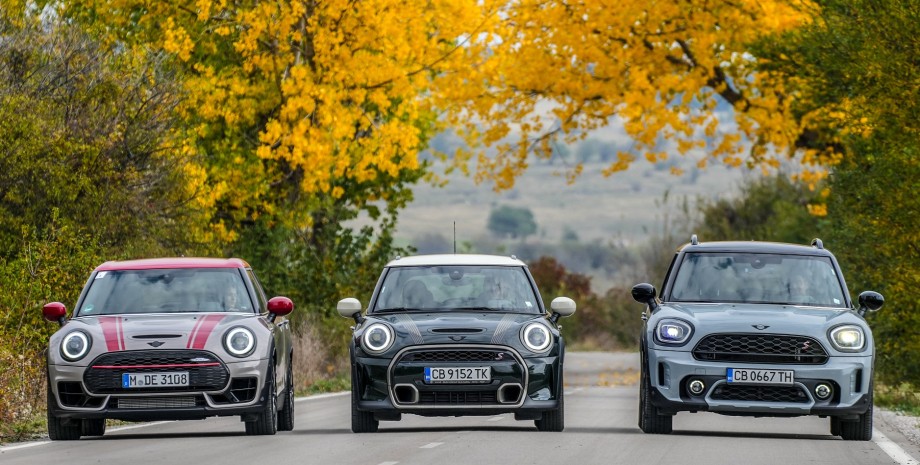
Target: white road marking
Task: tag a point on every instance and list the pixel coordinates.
(23, 446)
(893, 450)
(322, 396)
(388, 463)
(431, 445)
(496, 418)
(123, 428)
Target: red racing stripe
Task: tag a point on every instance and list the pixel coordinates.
(110, 330)
(202, 331)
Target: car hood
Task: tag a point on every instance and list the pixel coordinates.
(458, 327)
(160, 331)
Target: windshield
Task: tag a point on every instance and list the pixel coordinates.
(445, 288)
(758, 278)
(166, 291)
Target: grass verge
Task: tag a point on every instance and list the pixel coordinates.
(904, 397)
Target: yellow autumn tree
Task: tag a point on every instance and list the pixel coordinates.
(557, 69)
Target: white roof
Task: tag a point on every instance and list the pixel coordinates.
(456, 259)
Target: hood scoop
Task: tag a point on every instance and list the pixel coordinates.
(456, 330)
(156, 336)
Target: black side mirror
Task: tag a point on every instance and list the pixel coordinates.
(870, 301)
(645, 293)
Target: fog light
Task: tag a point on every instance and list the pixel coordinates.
(696, 387)
(823, 391)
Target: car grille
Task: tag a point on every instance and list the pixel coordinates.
(159, 402)
(446, 398)
(792, 394)
(760, 348)
(477, 355)
(104, 374)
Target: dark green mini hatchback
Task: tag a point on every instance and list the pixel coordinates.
(456, 335)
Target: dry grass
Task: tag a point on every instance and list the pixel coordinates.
(313, 363)
(22, 394)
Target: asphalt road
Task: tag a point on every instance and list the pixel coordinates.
(601, 413)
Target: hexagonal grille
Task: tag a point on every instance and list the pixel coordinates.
(760, 348)
(457, 356)
(792, 394)
(104, 374)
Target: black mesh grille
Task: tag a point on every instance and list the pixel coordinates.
(759, 393)
(457, 356)
(203, 375)
(160, 402)
(760, 348)
(457, 398)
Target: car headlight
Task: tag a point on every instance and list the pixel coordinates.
(377, 338)
(536, 337)
(848, 338)
(239, 342)
(75, 346)
(673, 331)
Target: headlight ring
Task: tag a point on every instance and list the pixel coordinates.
(75, 346)
(239, 342)
(848, 338)
(672, 331)
(536, 337)
(377, 338)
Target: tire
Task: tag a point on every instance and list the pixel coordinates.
(650, 421)
(286, 415)
(267, 422)
(93, 427)
(60, 429)
(553, 420)
(859, 430)
(835, 426)
(361, 422)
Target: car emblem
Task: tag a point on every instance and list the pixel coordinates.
(155, 343)
(499, 356)
(760, 327)
(457, 338)
(200, 359)
(806, 345)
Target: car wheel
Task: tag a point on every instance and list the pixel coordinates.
(649, 420)
(553, 420)
(60, 429)
(859, 430)
(93, 427)
(286, 415)
(835, 426)
(361, 422)
(266, 423)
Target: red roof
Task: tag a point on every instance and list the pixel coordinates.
(175, 262)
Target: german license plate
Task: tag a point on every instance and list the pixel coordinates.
(458, 375)
(171, 379)
(749, 376)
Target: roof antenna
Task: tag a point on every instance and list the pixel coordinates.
(455, 238)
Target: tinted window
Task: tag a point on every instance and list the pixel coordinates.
(166, 291)
(444, 288)
(758, 278)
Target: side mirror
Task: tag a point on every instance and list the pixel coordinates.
(56, 312)
(562, 306)
(645, 293)
(350, 308)
(868, 301)
(280, 306)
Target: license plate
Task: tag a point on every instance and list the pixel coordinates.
(458, 375)
(171, 379)
(749, 376)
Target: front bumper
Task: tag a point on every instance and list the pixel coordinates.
(524, 386)
(245, 393)
(671, 371)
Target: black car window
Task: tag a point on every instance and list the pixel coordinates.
(166, 291)
(446, 288)
(758, 278)
(260, 294)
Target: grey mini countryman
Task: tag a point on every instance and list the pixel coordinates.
(756, 329)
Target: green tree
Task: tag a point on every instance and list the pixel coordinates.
(857, 63)
(511, 221)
